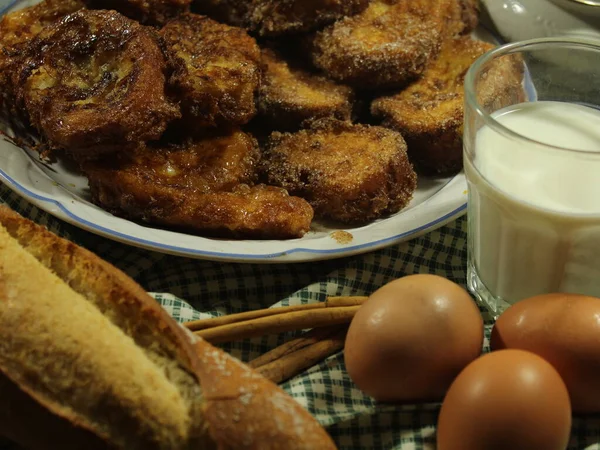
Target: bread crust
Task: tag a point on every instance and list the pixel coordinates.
(87, 272)
(291, 94)
(115, 411)
(429, 113)
(239, 409)
(247, 411)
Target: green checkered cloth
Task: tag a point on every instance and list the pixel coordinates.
(190, 289)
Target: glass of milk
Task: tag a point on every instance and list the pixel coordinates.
(532, 162)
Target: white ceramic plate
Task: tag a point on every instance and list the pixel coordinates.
(64, 194)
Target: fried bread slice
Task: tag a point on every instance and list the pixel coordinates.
(203, 185)
(290, 94)
(429, 113)
(348, 173)
(94, 82)
(216, 70)
(16, 30)
(387, 45)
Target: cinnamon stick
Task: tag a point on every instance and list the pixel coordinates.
(346, 301)
(279, 323)
(305, 340)
(330, 302)
(291, 364)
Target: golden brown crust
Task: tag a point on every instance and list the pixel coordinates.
(243, 408)
(429, 113)
(385, 46)
(216, 70)
(276, 17)
(289, 94)
(153, 12)
(129, 308)
(94, 82)
(115, 293)
(201, 186)
(349, 173)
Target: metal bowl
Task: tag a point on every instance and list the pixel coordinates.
(583, 8)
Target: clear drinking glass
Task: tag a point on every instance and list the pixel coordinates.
(532, 162)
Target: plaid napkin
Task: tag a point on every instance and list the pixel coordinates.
(189, 289)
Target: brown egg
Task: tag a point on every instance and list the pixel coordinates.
(564, 329)
(411, 338)
(506, 400)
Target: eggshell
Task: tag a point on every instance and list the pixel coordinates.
(411, 338)
(506, 400)
(564, 329)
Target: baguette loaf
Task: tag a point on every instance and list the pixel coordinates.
(88, 360)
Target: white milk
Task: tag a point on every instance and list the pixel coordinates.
(534, 211)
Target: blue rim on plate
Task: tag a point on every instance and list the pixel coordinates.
(26, 193)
